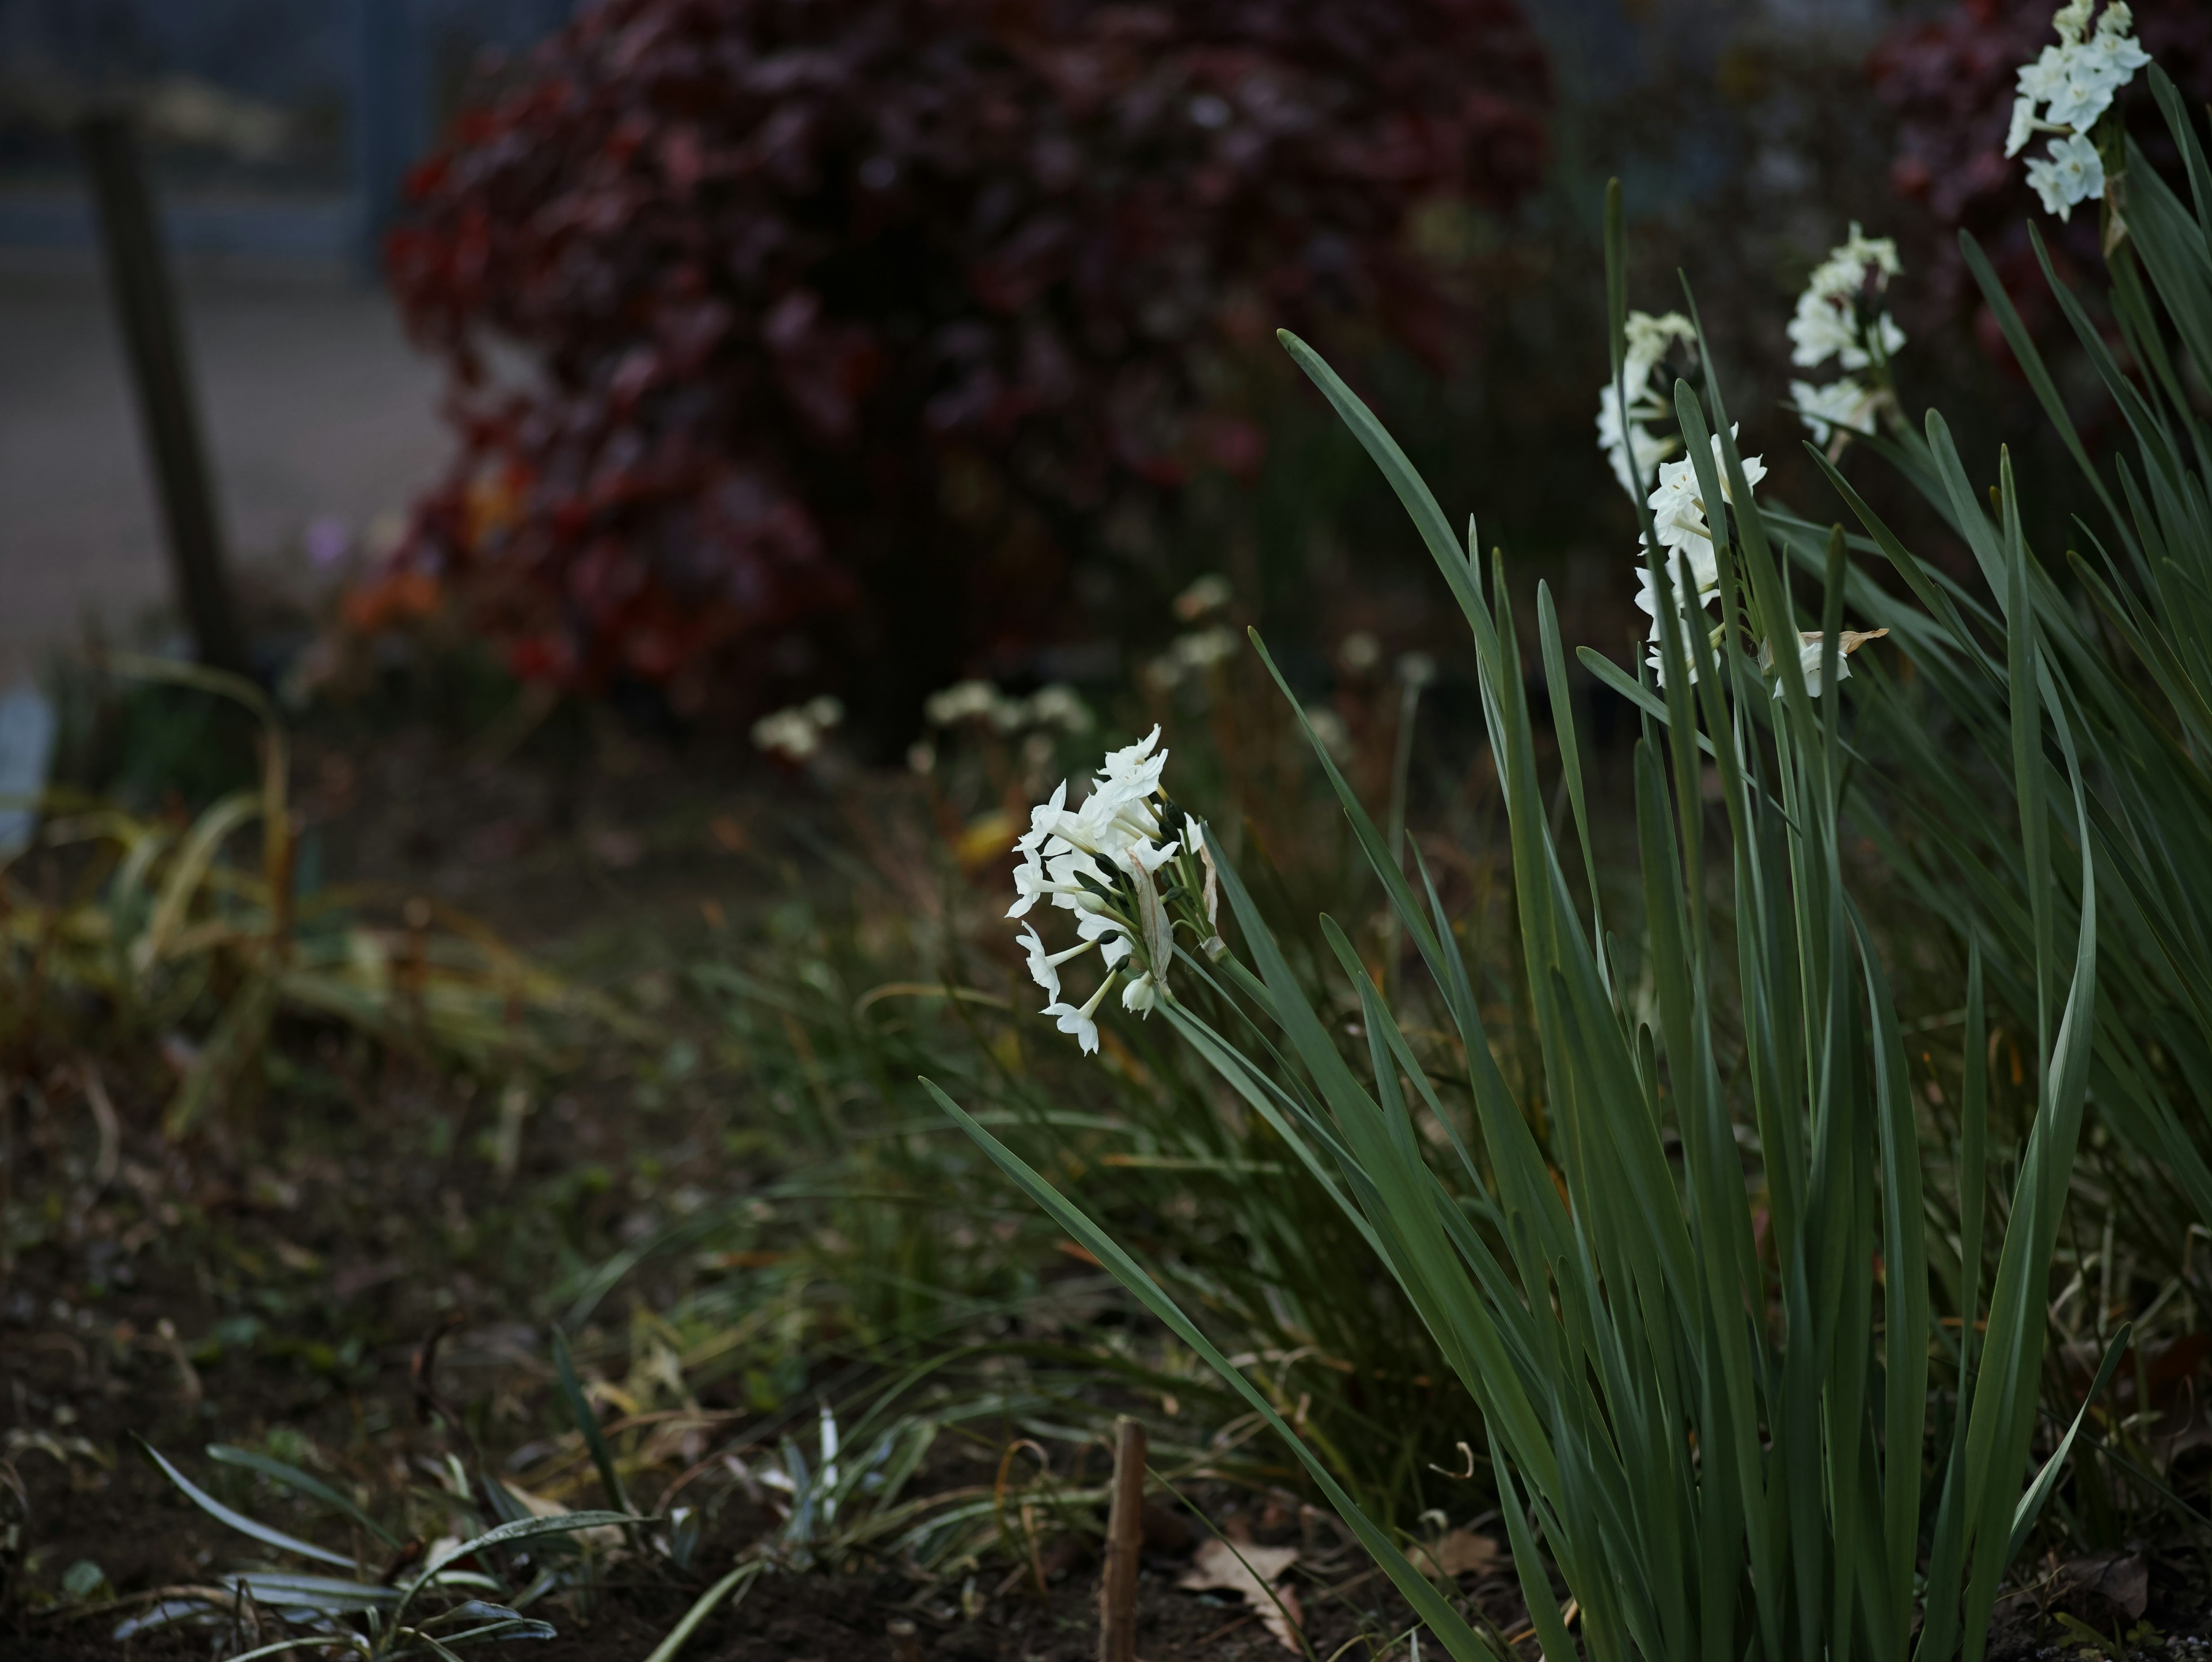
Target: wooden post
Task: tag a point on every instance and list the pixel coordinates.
(1125, 1536)
(146, 307)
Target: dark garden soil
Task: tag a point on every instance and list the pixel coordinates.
(281, 1274)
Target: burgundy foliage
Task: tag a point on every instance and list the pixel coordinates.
(1952, 81)
(853, 320)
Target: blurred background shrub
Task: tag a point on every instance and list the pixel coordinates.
(852, 331)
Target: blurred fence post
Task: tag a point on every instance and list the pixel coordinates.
(146, 309)
(388, 117)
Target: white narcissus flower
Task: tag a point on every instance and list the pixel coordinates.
(1624, 435)
(1688, 573)
(1045, 967)
(796, 733)
(1678, 512)
(1632, 447)
(1646, 339)
(2072, 174)
(1847, 405)
(1830, 321)
(1141, 995)
(1078, 1020)
(1126, 863)
(1060, 706)
(2065, 91)
(1813, 647)
(1678, 519)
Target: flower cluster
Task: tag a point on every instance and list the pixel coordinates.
(1626, 412)
(795, 733)
(1131, 866)
(1812, 645)
(1843, 314)
(1056, 705)
(2064, 92)
(1678, 518)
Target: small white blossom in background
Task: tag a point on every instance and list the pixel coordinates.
(1416, 670)
(1843, 314)
(1056, 705)
(2065, 92)
(1209, 595)
(1358, 652)
(1059, 705)
(1625, 413)
(1192, 653)
(973, 700)
(796, 732)
(1813, 646)
(1103, 862)
(1329, 727)
(1843, 406)
(1678, 518)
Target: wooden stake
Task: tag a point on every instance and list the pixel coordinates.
(1125, 1536)
(168, 406)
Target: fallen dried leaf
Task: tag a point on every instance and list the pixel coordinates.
(1250, 1573)
(1462, 1552)
(2121, 1579)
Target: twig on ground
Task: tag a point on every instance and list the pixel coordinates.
(1125, 1536)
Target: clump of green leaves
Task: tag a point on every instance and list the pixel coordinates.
(1645, 1279)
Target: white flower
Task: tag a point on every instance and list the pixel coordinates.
(1142, 859)
(1819, 331)
(2074, 173)
(958, 701)
(1044, 968)
(1209, 594)
(1098, 927)
(1205, 648)
(1043, 819)
(1646, 339)
(1678, 516)
(1632, 447)
(1656, 661)
(1060, 706)
(1623, 434)
(1678, 513)
(1813, 646)
(1102, 862)
(2065, 91)
(1071, 1019)
(1688, 576)
(966, 700)
(1029, 884)
(1134, 768)
(1847, 404)
(1141, 995)
(795, 733)
(1828, 321)
(1330, 728)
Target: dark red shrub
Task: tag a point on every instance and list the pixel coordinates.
(1952, 81)
(854, 321)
